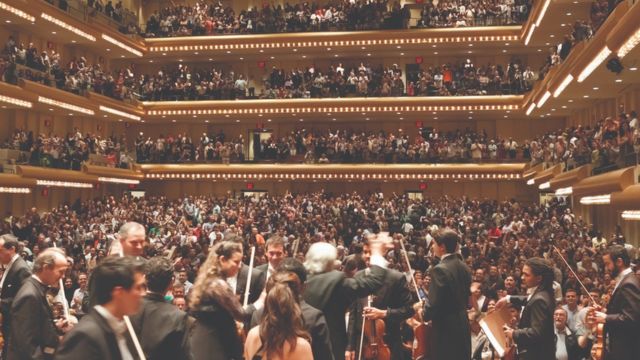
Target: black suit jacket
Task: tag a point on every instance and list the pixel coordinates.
(91, 339)
(535, 336)
(315, 324)
(623, 320)
(446, 307)
(162, 329)
(261, 279)
(395, 297)
(332, 293)
(33, 334)
(255, 289)
(16, 275)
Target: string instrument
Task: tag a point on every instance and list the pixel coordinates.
(422, 333)
(242, 332)
(372, 345)
(597, 350)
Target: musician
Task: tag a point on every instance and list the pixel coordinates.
(34, 334)
(241, 283)
(162, 328)
(535, 335)
(446, 303)
(275, 254)
(16, 271)
(102, 333)
(393, 303)
(331, 292)
(622, 319)
(314, 321)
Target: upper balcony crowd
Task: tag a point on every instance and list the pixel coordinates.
(212, 18)
(184, 82)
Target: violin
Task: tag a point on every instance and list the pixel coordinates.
(373, 346)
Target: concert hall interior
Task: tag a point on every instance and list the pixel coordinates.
(327, 179)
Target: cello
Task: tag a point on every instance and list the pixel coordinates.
(597, 349)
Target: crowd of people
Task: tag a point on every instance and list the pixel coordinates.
(125, 18)
(70, 151)
(206, 240)
(339, 80)
(211, 17)
(467, 13)
(78, 76)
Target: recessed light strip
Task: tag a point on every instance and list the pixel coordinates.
(531, 108)
(596, 200)
(602, 56)
(17, 12)
(66, 26)
(119, 180)
(14, 190)
(563, 85)
(628, 45)
(543, 12)
(68, 184)
(530, 34)
(544, 98)
(631, 215)
(64, 105)
(564, 191)
(14, 101)
(122, 45)
(120, 113)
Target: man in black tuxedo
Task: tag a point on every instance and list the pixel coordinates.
(102, 333)
(314, 320)
(393, 303)
(15, 273)
(535, 335)
(446, 303)
(34, 334)
(331, 292)
(622, 319)
(275, 253)
(163, 330)
(241, 284)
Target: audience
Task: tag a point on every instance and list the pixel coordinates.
(464, 13)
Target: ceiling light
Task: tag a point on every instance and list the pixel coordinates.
(531, 108)
(544, 185)
(529, 34)
(569, 14)
(542, 12)
(16, 12)
(15, 101)
(563, 85)
(596, 200)
(564, 191)
(544, 98)
(631, 215)
(633, 68)
(64, 105)
(602, 55)
(618, 80)
(122, 45)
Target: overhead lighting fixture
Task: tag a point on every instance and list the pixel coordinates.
(65, 105)
(531, 108)
(531, 182)
(602, 56)
(564, 191)
(119, 180)
(563, 85)
(14, 190)
(67, 184)
(544, 98)
(544, 185)
(120, 113)
(628, 45)
(545, 6)
(122, 45)
(16, 12)
(631, 214)
(596, 200)
(66, 26)
(14, 101)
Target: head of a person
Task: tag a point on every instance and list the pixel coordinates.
(180, 303)
(282, 322)
(50, 266)
(275, 251)
(132, 238)
(320, 258)
(446, 242)
(560, 318)
(178, 290)
(9, 246)
(571, 297)
(537, 272)
(82, 280)
(120, 285)
(616, 259)
(159, 273)
(183, 276)
(294, 266)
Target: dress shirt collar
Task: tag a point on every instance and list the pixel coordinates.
(621, 276)
(13, 259)
(118, 326)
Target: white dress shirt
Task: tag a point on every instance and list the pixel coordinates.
(6, 270)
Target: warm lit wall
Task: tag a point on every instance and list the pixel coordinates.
(626, 101)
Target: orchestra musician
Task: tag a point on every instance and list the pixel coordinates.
(331, 292)
(622, 318)
(447, 299)
(16, 271)
(535, 337)
(275, 253)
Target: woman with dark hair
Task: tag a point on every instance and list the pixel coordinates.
(281, 334)
(535, 336)
(215, 307)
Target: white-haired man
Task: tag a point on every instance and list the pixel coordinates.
(332, 292)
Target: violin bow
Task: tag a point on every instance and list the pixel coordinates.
(248, 286)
